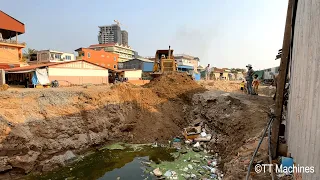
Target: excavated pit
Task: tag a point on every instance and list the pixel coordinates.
(41, 129)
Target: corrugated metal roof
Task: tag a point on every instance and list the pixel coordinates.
(35, 66)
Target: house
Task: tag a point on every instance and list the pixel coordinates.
(239, 76)
(66, 73)
(145, 65)
(187, 62)
(10, 47)
(220, 74)
(46, 56)
(268, 73)
(99, 57)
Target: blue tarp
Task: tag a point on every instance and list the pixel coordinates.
(197, 76)
(34, 79)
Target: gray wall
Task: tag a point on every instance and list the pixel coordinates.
(133, 64)
(303, 122)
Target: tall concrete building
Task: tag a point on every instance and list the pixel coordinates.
(112, 34)
(124, 37)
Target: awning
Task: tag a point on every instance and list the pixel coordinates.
(186, 67)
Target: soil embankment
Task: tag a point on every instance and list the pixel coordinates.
(41, 129)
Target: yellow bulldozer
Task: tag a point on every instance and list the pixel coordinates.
(164, 62)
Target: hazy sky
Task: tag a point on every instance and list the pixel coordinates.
(224, 33)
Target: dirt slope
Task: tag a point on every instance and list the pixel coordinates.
(236, 122)
(37, 126)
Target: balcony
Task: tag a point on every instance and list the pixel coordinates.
(13, 43)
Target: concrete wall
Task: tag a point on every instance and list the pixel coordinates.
(133, 75)
(9, 55)
(2, 77)
(303, 122)
(78, 73)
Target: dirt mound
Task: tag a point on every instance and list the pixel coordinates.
(227, 86)
(4, 87)
(173, 85)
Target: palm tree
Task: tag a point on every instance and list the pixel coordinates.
(27, 53)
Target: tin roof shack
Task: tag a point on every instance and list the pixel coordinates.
(66, 73)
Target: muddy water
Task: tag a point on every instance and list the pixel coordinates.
(111, 164)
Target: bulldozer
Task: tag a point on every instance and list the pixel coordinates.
(164, 62)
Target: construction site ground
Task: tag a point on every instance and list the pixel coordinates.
(37, 126)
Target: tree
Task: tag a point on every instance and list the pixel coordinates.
(27, 54)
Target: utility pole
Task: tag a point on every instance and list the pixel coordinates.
(282, 79)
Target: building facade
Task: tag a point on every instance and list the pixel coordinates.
(10, 47)
(187, 61)
(66, 73)
(124, 38)
(110, 34)
(99, 57)
(125, 52)
(45, 56)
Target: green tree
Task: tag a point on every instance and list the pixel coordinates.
(27, 54)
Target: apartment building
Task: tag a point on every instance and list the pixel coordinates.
(99, 57)
(124, 38)
(112, 34)
(125, 52)
(45, 56)
(10, 47)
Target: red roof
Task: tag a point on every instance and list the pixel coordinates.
(8, 24)
(35, 66)
(6, 66)
(102, 45)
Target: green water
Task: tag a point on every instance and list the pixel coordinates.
(111, 163)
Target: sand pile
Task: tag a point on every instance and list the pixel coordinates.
(173, 85)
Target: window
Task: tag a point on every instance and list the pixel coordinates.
(115, 66)
(108, 64)
(89, 55)
(115, 58)
(57, 56)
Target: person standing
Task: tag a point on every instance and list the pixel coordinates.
(255, 84)
(249, 78)
(26, 82)
(207, 72)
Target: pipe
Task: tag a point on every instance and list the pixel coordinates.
(260, 142)
(169, 54)
(269, 147)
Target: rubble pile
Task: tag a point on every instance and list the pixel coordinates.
(235, 124)
(193, 160)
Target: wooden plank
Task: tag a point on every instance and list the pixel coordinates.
(282, 79)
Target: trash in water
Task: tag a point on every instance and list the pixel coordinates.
(157, 172)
